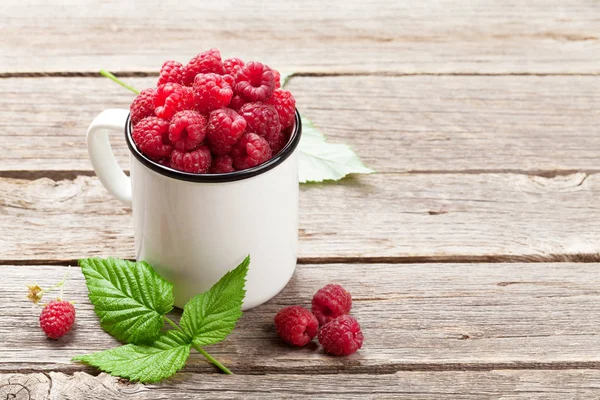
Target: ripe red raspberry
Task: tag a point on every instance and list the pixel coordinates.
(195, 161)
(278, 143)
(276, 77)
(262, 119)
(250, 151)
(229, 79)
(203, 63)
(151, 135)
(211, 91)
(57, 318)
(237, 102)
(285, 104)
(171, 98)
(171, 72)
(165, 161)
(330, 302)
(221, 165)
(296, 325)
(142, 106)
(225, 127)
(255, 81)
(187, 129)
(342, 336)
(232, 66)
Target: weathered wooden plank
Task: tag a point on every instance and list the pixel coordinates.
(26, 387)
(436, 217)
(531, 385)
(396, 124)
(340, 36)
(441, 123)
(414, 317)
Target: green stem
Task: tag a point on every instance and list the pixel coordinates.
(212, 360)
(117, 80)
(62, 284)
(200, 349)
(173, 324)
(58, 285)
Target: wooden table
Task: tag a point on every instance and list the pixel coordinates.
(472, 255)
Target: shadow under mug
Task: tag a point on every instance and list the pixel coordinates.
(193, 228)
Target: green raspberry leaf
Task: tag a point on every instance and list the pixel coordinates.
(285, 77)
(129, 297)
(152, 363)
(210, 316)
(319, 161)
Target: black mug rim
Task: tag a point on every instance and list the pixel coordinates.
(279, 158)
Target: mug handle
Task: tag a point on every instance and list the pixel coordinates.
(103, 159)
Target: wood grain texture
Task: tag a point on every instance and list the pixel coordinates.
(425, 217)
(428, 317)
(451, 123)
(396, 124)
(531, 385)
(25, 386)
(471, 168)
(483, 36)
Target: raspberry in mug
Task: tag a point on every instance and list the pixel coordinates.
(212, 115)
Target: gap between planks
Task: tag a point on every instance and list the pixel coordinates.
(144, 74)
(389, 369)
(500, 258)
(412, 385)
(58, 175)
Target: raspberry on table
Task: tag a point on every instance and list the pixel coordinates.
(187, 129)
(330, 302)
(171, 98)
(221, 165)
(296, 325)
(225, 127)
(262, 119)
(250, 151)
(142, 106)
(285, 104)
(195, 161)
(237, 102)
(57, 318)
(342, 336)
(232, 65)
(211, 91)
(151, 135)
(171, 72)
(203, 63)
(255, 81)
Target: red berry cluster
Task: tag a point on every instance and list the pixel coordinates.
(57, 318)
(213, 116)
(339, 333)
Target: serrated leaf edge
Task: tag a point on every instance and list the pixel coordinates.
(105, 322)
(186, 347)
(203, 340)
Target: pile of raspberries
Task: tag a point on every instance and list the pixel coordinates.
(213, 116)
(338, 332)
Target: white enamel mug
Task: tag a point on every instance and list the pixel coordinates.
(194, 228)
